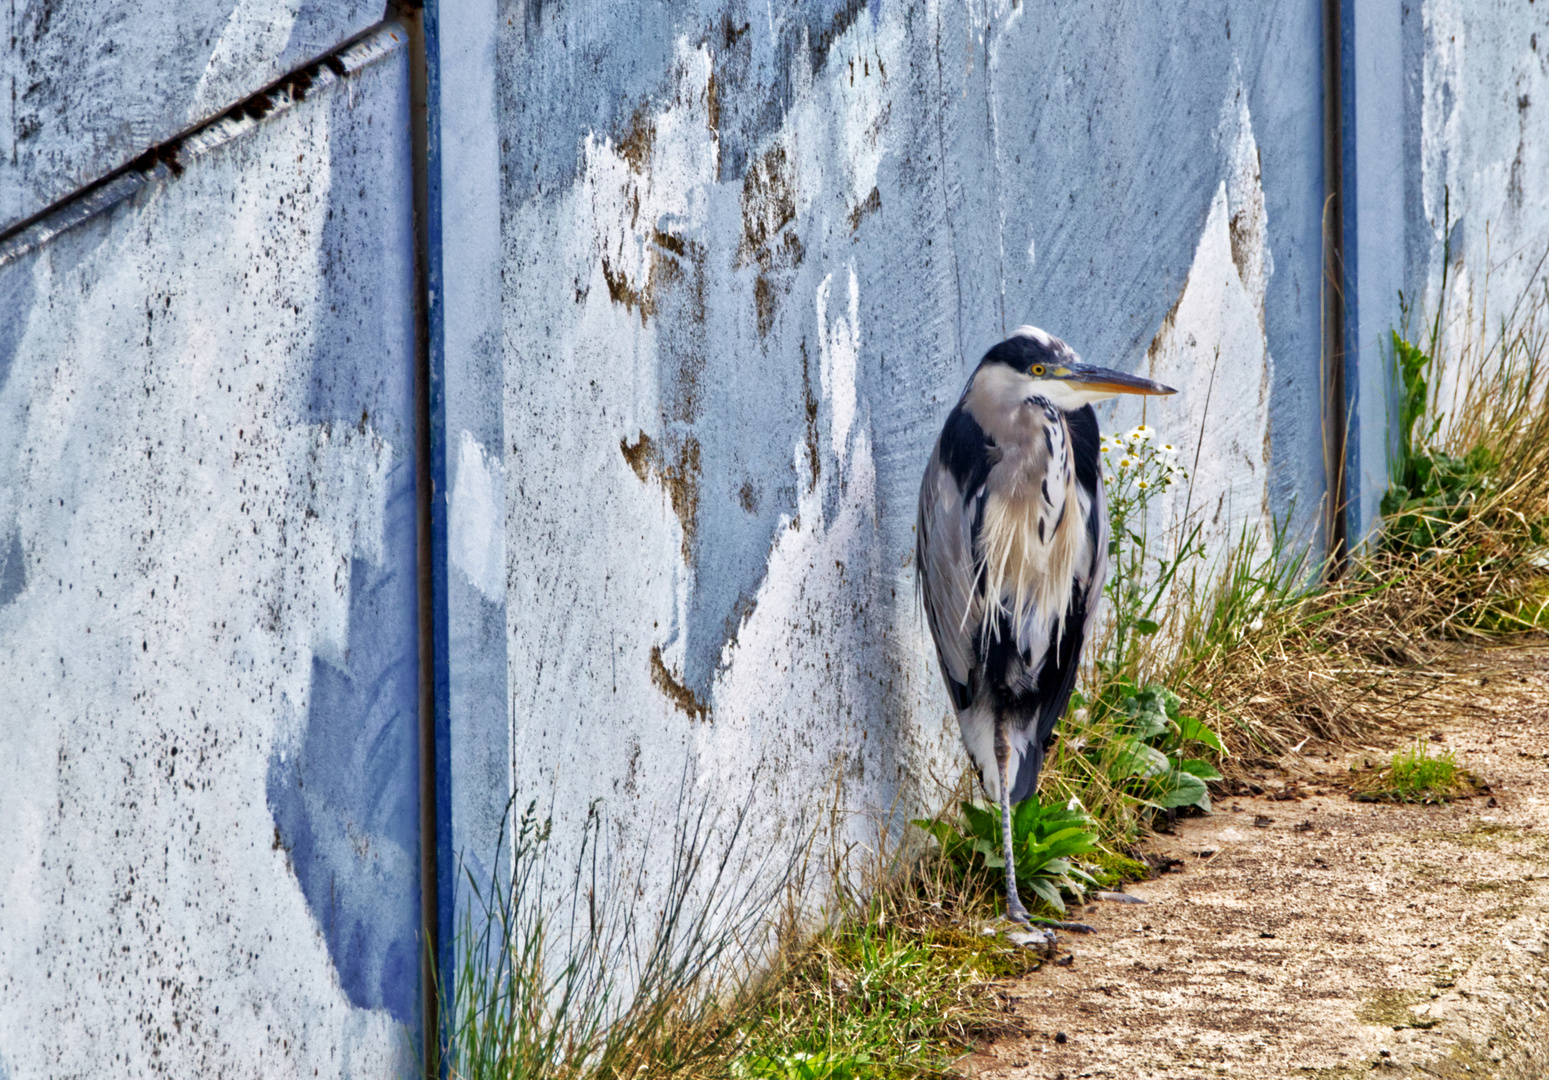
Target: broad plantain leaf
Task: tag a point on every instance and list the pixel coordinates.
(1179, 788)
(1202, 769)
(1191, 730)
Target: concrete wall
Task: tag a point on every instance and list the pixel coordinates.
(748, 260)
(87, 86)
(701, 284)
(207, 607)
(1478, 193)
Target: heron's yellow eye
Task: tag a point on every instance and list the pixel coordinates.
(1036, 369)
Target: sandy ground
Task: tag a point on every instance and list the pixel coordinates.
(1304, 934)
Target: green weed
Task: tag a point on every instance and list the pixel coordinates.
(878, 998)
(1415, 775)
(1046, 842)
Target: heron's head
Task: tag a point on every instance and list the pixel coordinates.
(1049, 368)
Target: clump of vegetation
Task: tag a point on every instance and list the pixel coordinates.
(1047, 843)
(879, 997)
(1415, 775)
(591, 985)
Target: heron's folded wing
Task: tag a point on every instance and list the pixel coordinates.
(944, 558)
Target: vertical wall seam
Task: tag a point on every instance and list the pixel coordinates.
(430, 482)
(1337, 277)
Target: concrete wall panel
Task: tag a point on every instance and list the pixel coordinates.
(87, 85)
(1484, 156)
(208, 752)
(750, 258)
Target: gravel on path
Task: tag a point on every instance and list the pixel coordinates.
(1303, 934)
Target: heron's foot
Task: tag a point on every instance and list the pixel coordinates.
(1015, 911)
(1072, 927)
(1034, 937)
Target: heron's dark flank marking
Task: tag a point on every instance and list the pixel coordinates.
(1057, 524)
(1048, 440)
(1084, 442)
(965, 450)
(1040, 530)
(1044, 483)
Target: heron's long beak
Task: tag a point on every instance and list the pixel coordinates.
(1108, 381)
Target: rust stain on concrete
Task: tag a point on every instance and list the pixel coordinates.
(677, 469)
(768, 207)
(810, 403)
(685, 699)
(870, 205)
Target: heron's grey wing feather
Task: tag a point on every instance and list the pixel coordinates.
(944, 559)
(1056, 679)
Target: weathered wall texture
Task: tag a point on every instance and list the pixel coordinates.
(88, 85)
(1480, 195)
(701, 284)
(207, 608)
(749, 259)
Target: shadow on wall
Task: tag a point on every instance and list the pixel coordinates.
(344, 794)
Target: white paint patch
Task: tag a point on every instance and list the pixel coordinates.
(476, 519)
(256, 33)
(828, 642)
(839, 346)
(1214, 352)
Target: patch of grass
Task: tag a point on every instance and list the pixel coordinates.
(878, 998)
(1415, 775)
(593, 985)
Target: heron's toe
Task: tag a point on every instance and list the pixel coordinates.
(1033, 938)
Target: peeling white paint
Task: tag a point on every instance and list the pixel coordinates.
(839, 346)
(814, 649)
(255, 31)
(476, 520)
(1214, 352)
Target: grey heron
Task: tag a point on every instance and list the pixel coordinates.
(1011, 550)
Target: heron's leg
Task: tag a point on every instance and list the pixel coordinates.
(1014, 908)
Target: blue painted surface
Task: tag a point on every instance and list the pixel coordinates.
(1375, 250)
(473, 720)
(346, 799)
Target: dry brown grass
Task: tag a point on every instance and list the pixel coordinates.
(1460, 557)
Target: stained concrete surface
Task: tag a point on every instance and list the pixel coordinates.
(749, 257)
(208, 731)
(1305, 934)
(88, 85)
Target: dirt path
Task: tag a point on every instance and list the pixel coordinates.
(1314, 936)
